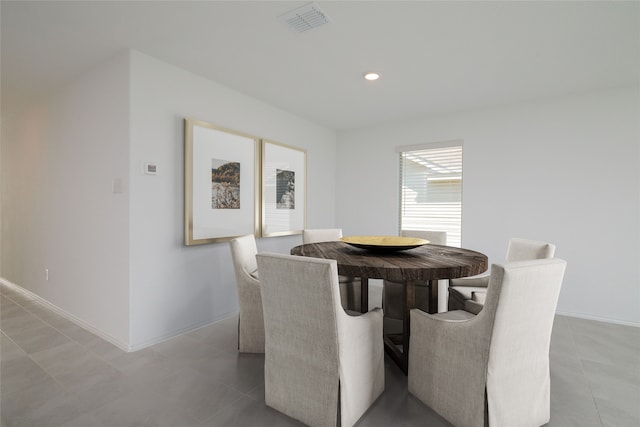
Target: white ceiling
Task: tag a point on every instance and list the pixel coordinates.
(434, 57)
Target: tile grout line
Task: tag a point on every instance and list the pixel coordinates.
(584, 374)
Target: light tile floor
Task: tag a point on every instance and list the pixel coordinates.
(55, 373)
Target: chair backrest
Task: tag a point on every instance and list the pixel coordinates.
(321, 235)
(522, 250)
(525, 306)
(522, 298)
(243, 253)
(300, 297)
(434, 237)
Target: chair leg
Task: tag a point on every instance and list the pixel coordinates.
(433, 296)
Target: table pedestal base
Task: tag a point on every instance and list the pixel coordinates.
(391, 342)
(424, 263)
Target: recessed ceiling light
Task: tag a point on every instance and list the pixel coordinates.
(371, 76)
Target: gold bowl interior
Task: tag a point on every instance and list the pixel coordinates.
(384, 243)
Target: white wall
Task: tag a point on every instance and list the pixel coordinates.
(117, 262)
(173, 287)
(561, 170)
(59, 212)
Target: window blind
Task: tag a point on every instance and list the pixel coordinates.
(431, 189)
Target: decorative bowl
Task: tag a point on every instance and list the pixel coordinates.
(384, 243)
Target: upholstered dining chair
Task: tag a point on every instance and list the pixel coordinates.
(250, 320)
(490, 369)
(392, 291)
(349, 286)
(467, 293)
(323, 366)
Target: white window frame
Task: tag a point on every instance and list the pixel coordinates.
(442, 208)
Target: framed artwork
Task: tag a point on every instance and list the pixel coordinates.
(284, 195)
(221, 183)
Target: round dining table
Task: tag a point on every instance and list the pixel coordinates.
(426, 263)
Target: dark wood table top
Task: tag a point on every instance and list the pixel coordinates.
(427, 262)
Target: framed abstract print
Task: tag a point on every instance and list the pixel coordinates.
(284, 183)
(221, 183)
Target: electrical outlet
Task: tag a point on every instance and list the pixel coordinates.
(116, 186)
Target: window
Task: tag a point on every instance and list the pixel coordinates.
(431, 189)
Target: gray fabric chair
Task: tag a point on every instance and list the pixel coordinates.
(250, 319)
(350, 287)
(465, 293)
(321, 235)
(323, 367)
(392, 291)
(491, 369)
(475, 304)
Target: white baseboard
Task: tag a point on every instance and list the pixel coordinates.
(599, 319)
(66, 315)
(123, 346)
(173, 334)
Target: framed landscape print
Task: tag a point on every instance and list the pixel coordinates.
(284, 181)
(221, 183)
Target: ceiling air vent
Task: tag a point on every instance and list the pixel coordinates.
(304, 18)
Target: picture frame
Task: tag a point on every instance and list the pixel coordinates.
(221, 183)
(283, 192)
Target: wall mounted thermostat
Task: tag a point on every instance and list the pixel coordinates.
(150, 168)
